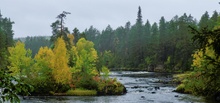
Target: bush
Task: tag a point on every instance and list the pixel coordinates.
(110, 87)
(87, 82)
(49, 88)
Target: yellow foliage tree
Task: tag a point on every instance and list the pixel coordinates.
(61, 72)
(45, 55)
(71, 38)
(42, 69)
(20, 60)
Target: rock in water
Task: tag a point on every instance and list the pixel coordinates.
(143, 97)
(156, 88)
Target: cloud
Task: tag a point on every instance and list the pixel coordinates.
(34, 17)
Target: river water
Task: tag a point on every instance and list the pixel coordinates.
(142, 87)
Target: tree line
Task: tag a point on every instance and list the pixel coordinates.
(141, 45)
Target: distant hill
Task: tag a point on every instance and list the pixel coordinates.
(23, 39)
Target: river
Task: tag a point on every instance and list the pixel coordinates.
(142, 87)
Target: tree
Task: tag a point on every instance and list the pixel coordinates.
(207, 38)
(139, 16)
(85, 57)
(44, 63)
(214, 19)
(42, 78)
(10, 86)
(3, 51)
(61, 17)
(147, 37)
(136, 39)
(204, 78)
(6, 39)
(59, 30)
(61, 72)
(6, 29)
(106, 39)
(204, 21)
(105, 59)
(163, 39)
(82, 35)
(20, 60)
(34, 43)
(76, 34)
(91, 33)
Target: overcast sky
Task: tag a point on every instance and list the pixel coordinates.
(34, 17)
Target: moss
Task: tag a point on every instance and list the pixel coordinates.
(81, 92)
(180, 88)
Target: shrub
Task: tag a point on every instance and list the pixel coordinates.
(110, 87)
(86, 81)
(49, 88)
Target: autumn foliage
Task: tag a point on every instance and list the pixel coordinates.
(57, 70)
(60, 70)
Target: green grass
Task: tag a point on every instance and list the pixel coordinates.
(81, 92)
(180, 77)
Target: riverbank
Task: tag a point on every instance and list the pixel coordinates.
(140, 89)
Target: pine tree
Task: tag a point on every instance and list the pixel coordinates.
(204, 21)
(139, 16)
(76, 34)
(59, 30)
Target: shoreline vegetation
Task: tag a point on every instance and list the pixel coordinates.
(102, 87)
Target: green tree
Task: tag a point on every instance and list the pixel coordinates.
(163, 37)
(34, 43)
(204, 21)
(20, 60)
(3, 51)
(6, 39)
(42, 78)
(136, 40)
(91, 33)
(10, 86)
(204, 79)
(85, 57)
(76, 34)
(214, 19)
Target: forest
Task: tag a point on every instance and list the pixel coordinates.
(181, 45)
(141, 45)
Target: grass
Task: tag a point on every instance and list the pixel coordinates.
(179, 78)
(81, 92)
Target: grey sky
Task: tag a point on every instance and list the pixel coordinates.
(34, 17)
